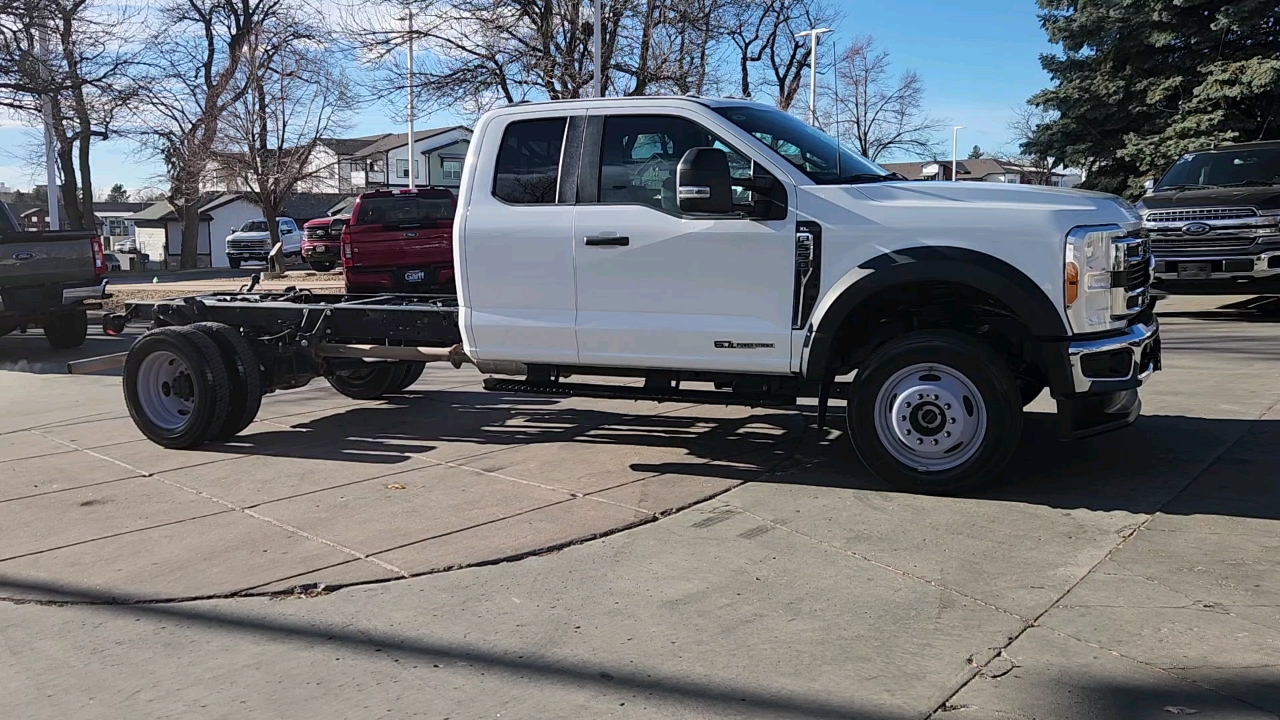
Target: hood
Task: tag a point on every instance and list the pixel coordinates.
(1262, 198)
(992, 194)
(262, 235)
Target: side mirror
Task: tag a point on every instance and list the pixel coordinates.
(1149, 185)
(703, 184)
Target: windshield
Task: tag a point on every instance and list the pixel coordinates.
(254, 226)
(804, 146)
(1231, 168)
(403, 210)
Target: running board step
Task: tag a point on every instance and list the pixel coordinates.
(627, 392)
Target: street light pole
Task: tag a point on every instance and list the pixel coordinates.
(597, 49)
(955, 135)
(813, 70)
(50, 152)
(412, 159)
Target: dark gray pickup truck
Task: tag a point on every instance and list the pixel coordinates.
(45, 280)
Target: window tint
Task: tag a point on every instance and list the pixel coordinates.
(639, 154)
(1239, 168)
(425, 208)
(254, 226)
(529, 162)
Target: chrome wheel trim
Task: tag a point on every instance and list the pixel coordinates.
(930, 417)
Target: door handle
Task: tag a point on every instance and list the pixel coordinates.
(608, 240)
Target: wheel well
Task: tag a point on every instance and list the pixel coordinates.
(936, 305)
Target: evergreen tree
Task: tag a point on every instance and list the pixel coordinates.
(1139, 82)
(118, 194)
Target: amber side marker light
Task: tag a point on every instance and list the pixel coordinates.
(1072, 283)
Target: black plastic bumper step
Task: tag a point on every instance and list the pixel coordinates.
(628, 392)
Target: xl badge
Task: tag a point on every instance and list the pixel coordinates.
(731, 345)
(1196, 228)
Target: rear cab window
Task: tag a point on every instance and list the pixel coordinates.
(426, 208)
(528, 166)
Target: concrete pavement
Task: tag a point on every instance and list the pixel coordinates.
(1133, 575)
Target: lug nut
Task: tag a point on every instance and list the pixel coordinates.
(919, 441)
(946, 434)
(946, 406)
(952, 421)
(919, 396)
(935, 441)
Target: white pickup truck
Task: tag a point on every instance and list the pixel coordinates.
(727, 253)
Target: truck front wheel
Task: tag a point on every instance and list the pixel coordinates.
(66, 330)
(935, 411)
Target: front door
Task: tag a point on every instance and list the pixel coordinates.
(658, 288)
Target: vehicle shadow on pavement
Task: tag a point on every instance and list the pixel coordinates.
(1210, 465)
(421, 423)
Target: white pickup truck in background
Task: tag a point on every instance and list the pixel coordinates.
(726, 252)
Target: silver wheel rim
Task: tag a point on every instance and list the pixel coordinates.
(166, 390)
(930, 417)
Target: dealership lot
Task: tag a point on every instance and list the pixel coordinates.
(664, 560)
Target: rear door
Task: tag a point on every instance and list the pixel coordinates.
(515, 242)
(409, 232)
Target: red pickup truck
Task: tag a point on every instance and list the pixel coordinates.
(320, 240)
(400, 241)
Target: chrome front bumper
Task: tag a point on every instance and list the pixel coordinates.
(71, 296)
(1250, 265)
(1140, 341)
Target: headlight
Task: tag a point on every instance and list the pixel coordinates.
(1088, 271)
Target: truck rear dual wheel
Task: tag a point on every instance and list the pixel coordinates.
(66, 330)
(935, 411)
(187, 385)
(374, 382)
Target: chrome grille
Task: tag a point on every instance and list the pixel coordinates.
(1202, 214)
(1179, 241)
(246, 245)
(1131, 267)
(313, 233)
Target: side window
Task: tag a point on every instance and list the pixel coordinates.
(529, 162)
(639, 154)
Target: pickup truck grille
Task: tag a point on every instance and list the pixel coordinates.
(320, 233)
(1161, 242)
(1131, 275)
(1201, 214)
(247, 245)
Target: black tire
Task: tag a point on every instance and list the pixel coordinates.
(409, 375)
(321, 265)
(245, 374)
(1029, 390)
(984, 369)
(234, 263)
(367, 383)
(66, 330)
(209, 384)
(6, 328)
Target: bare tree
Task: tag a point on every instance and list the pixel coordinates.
(297, 94)
(1037, 168)
(882, 113)
(67, 53)
(198, 75)
(787, 56)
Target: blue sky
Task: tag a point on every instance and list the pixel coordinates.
(979, 59)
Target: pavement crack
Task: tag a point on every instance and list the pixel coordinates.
(232, 506)
(885, 566)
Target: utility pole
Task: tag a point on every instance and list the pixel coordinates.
(813, 70)
(597, 49)
(50, 148)
(955, 134)
(412, 160)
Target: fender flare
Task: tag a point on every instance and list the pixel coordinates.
(943, 264)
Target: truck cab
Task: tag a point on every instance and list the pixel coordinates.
(252, 240)
(691, 239)
(1215, 215)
